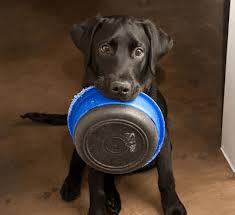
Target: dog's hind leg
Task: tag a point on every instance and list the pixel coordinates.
(52, 119)
(70, 189)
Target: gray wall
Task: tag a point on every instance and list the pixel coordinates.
(228, 132)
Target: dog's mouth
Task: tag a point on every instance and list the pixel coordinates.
(131, 97)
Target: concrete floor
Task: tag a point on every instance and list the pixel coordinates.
(40, 70)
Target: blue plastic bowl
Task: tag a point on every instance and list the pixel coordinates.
(114, 136)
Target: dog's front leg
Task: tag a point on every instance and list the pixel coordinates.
(72, 183)
(170, 201)
(97, 192)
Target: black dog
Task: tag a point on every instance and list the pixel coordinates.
(121, 55)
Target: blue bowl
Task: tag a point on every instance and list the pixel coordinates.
(113, 136)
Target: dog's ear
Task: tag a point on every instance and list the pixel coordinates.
(82, 35)
(160, 43)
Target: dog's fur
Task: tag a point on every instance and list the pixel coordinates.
(115, 66)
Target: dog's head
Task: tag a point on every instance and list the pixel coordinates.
(121, 53)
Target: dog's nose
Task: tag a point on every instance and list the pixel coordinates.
(120, 87)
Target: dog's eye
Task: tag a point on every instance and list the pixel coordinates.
(138, 52)
(105, 49)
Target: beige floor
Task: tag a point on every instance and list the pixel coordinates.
(40, 70)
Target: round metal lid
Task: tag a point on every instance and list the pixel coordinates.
(116, 138)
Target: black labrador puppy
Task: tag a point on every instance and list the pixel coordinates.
(121, 59)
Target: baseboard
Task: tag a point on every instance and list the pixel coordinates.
(228, 159)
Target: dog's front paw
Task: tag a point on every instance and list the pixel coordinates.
(113, 202)
(177, 209)
(70, 190)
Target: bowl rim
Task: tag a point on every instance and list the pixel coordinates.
(91, 97)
